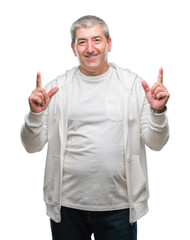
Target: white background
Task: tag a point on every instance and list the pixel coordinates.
(146, 35)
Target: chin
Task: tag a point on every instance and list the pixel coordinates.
(91, 67)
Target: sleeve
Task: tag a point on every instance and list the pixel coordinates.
(34, 132)
(154, 127)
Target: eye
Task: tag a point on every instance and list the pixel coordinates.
(81, 42)
(97, 40)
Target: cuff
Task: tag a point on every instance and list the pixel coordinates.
(34, 118)
(158, 117)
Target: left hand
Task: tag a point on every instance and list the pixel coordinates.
(158, 94)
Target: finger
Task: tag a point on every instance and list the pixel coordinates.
(160, 76)
(52, 92)
(46, 97)
(163, 95)
(37, 100)
(38, 81)
(158, 90)
(145, 86)
(153, 88)
(39, 95)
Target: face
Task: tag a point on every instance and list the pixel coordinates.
(91, 47)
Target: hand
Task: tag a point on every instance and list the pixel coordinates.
(39, 99)
(158, 95)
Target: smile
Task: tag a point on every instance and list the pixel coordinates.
(91, 56)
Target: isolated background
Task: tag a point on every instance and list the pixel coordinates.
(146, 34)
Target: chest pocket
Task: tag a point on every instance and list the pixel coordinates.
(113, 109)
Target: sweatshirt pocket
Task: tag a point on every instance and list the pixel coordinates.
(112, 108)
(52, 181)
(136, 180)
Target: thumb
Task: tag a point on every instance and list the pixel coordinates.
(145, 86)
(52, 92)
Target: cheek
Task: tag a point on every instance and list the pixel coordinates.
(79, 51)
(106, 51)
(80, 56)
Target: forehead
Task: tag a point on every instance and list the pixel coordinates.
(89, 32)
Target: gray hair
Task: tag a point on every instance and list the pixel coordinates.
(89, 21)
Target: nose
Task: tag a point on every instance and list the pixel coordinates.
(90, 47)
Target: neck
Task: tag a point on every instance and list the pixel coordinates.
(94, 72)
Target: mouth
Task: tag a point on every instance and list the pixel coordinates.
(91, 57)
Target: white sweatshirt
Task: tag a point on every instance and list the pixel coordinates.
(140, 127)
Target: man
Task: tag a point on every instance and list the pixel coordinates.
(97, 119)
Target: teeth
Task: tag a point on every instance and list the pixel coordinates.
(91, 56)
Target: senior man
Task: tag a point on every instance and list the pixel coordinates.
(97, 119)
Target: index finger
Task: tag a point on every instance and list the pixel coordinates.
(160, 76)
(38, 80)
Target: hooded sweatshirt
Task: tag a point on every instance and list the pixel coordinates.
(141, 127)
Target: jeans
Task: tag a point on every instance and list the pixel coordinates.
(107, 225)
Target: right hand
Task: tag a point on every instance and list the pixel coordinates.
(39, 98)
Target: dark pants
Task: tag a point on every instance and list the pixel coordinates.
(79, 225)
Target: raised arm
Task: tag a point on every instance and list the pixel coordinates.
(154, 123)
(34, 131)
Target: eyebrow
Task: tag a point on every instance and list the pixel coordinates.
(98, 37)
(81, 39)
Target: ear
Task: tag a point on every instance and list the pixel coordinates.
(73, 48)
(109, 44)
